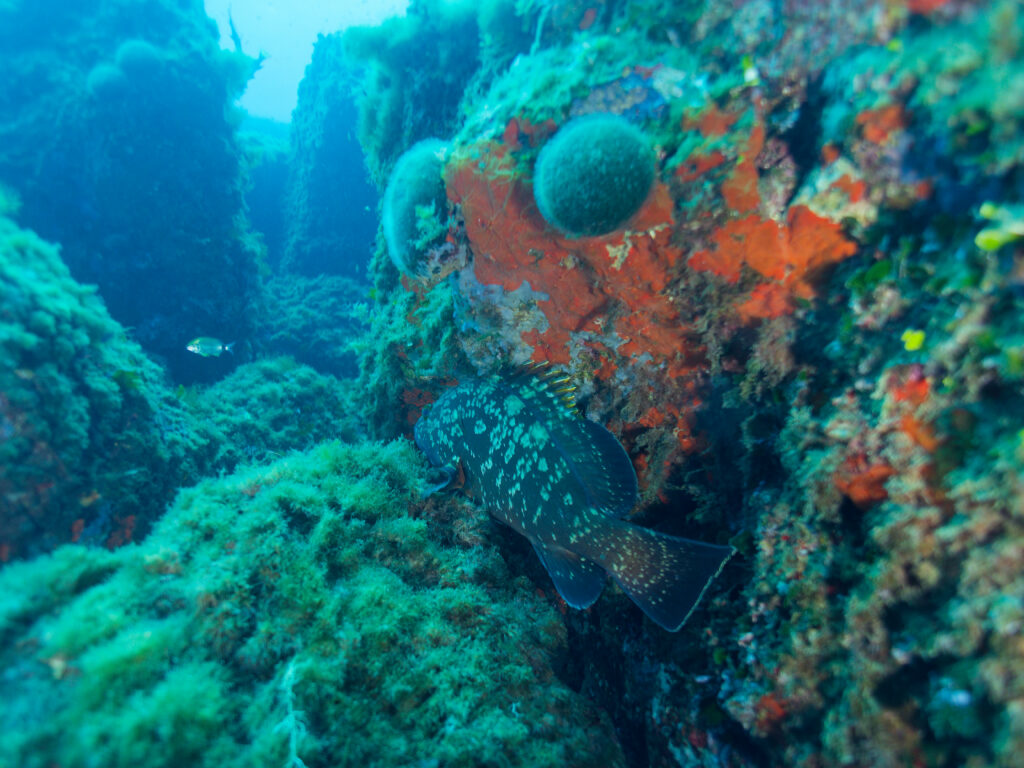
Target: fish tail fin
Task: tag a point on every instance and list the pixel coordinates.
(666, 576)
(230, 347)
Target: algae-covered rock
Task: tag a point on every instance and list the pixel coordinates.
(310, 610)
(332, 202)
(265, 409)
(117, 131)
(265, 146)
(412, 342)
(316, 320)
(809, 339)
(416, 69)
(92, 440)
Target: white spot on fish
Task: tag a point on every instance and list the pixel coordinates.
(513, 405)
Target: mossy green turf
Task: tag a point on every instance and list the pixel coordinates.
(412, 343)
(593, 175)
(415, 210)
(74, 388)
(267, 408)
(310, 609)
(314, 320)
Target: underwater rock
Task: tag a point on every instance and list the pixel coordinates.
(92, 440)
(332, 204)
(297, 408)
(107, 81)
(800, 342)
(123, 150)
(138, 58)
(311, 611)
(593, 175)
(414, 69)
(808, 340)
(316, 320)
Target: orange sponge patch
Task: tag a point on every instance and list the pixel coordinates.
(793, 255)
(622, 275)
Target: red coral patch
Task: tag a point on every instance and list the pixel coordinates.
(582, 277)
(794, 256)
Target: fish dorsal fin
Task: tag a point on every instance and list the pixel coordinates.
(546, 380)
(598, 460)
(578, 580)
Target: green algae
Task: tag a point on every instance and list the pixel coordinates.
(314, 320)
(265, 409)
(75, 387)
(304, 609)
(412, 343)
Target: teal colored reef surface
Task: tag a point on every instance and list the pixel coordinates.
(774, 251)
(307, 611)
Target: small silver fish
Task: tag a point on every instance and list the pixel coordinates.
(565, 483)
(207, 346)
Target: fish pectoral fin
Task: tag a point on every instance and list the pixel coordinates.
(579, 581)
(447, 475)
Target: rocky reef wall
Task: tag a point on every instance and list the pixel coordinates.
(808, 339)
(116, 130)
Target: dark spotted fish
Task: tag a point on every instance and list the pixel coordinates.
(565, 483)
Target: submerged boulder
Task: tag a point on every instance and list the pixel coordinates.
(308, 612)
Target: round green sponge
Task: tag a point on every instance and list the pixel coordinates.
(593, 175)
(415, 215)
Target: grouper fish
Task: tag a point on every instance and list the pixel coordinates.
(566, 484)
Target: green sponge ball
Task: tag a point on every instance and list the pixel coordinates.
(139, 58)
(415, 205)
(106, 82)
(593, 175)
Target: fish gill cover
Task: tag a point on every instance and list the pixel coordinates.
(807, 342)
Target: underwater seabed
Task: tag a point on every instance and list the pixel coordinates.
(313, 608)
(788, 281)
